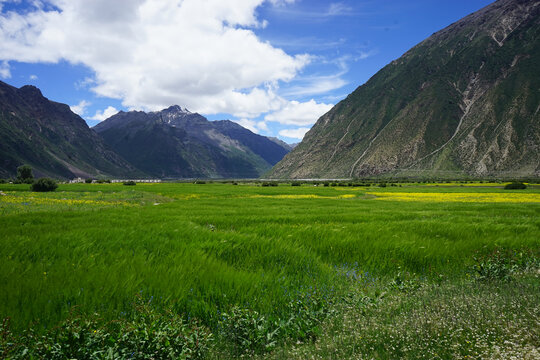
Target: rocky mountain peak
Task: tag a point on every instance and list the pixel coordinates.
(176, 109)
(30, 91)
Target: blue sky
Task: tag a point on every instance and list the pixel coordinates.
(274, 66)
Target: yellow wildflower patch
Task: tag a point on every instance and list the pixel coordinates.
(474, 184)
(39, 200)
(187, 196)
(459, 197)
(52, 201)
(301, 196)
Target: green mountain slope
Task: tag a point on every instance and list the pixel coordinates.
(51, 138)
(175, 143)
(466, 101)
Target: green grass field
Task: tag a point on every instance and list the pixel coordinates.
(291, 258)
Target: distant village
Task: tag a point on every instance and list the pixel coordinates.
(81, 180)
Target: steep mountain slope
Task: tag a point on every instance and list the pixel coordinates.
(52, 139)
(466, 101)
(175, 143)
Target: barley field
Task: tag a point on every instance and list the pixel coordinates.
(409, 271)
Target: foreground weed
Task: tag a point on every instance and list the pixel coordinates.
(249, 332)
(149, 334)
(501, 264)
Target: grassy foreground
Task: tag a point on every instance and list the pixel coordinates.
(290, 271)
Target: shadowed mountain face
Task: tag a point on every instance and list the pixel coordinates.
(466, 101)
(51, 138)
(175, 143)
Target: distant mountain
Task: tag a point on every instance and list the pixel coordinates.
(175, 143)
(283, 143)
(464, 102)
(51, 138)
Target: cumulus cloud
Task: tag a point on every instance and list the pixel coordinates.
(248, 124)
(262, 125)
(150, 54)
(4, 70)
(294, 133)
(297, 113)
(252, 125)
(80, 108)
(105, 114)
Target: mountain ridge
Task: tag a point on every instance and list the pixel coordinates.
(463, 102)
(176, 143)
(52, 139)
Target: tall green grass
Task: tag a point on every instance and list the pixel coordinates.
(206, 248)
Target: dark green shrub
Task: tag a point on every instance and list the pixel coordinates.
(516, 185)
(89, 180)
(296, 183)
(269, 183)
(44, 185)
(24, 175)
(383, 184)
(2, 181)
(130, 183)
(326, 183)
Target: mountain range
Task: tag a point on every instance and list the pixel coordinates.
(464, 102)
(173, 143)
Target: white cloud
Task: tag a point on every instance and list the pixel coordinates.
(297, 113)
(365, 54)
(262, 125)
(33, 77)
(337, 9)
(321, 84)
(282, 2)
(315, 85)
(248, 124)
(80, 108)
(318, 14)
(294, 133)
(105, 114)
(4, 70)
(153, 53)
(252, 125)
